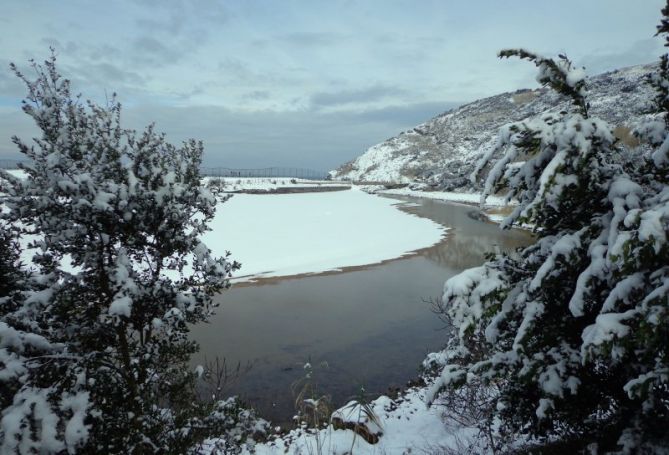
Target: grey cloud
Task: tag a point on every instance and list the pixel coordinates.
(10, 85)
(396, 39)
(104, 52)
(180, 12)
(95, 80)
(171, 30)
(237, 70)
(406, 48)
(343, 97)
(257, 95)
(91, 68)
(407, 114)
(642, 51)
(172, 25)
(148, 50)
(197, 90)
(83, 51)
(303, 39)
(183, 22)
(105, 75)
(312, 38)
(303, 138)
(255, 139)
(70, 47)
(13, 122)
(177, 29)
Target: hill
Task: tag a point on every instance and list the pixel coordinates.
(442, 152)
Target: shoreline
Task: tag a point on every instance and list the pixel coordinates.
(403, 205)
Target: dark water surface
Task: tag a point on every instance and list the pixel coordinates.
(369, 327)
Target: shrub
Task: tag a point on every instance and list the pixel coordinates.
(94, 347)
(572, 332)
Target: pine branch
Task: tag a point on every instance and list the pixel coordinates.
(560, 75)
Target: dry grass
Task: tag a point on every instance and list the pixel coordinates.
(524, 97)
(504, 211)
(313, 408)
(624, 134)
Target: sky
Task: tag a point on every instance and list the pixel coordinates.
(308, 84)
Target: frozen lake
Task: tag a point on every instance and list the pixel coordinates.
(368, 327)
(291, 234)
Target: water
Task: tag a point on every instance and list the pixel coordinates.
(368, 328)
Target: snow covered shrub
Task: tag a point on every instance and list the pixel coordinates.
(573, 331)
(12, 282)
(94, 340)
(217, 187)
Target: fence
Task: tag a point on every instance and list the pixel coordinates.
(9, 164)
(296, 172)
(308, 174)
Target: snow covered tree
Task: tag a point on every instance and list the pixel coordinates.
(13, 280)
(94, 347)
(12, 277)
(571, 333)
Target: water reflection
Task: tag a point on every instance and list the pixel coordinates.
(471, 238)
(368, 327)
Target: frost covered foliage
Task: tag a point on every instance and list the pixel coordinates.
(559, 74)
(94, 339)
(573, 331)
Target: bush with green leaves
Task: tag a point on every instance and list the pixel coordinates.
(572, 332)
(94, 344)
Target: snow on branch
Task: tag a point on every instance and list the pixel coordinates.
(558, 74)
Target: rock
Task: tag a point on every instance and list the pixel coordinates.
(357, 418)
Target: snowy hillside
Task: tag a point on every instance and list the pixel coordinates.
(443, 151)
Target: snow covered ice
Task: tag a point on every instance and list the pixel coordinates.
(291, 234)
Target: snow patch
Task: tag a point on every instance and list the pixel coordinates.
(291, 234)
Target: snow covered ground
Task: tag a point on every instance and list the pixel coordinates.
(236, 184)
(466, 198)
(367, 165)
(291, 234)
(18, 173)
(405, 425)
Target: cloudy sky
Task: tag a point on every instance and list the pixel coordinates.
(303, 83)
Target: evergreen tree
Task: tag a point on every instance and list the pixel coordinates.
(13, 280)
(571, 333)
(95, 348)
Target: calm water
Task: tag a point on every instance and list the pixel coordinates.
(370, 327)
